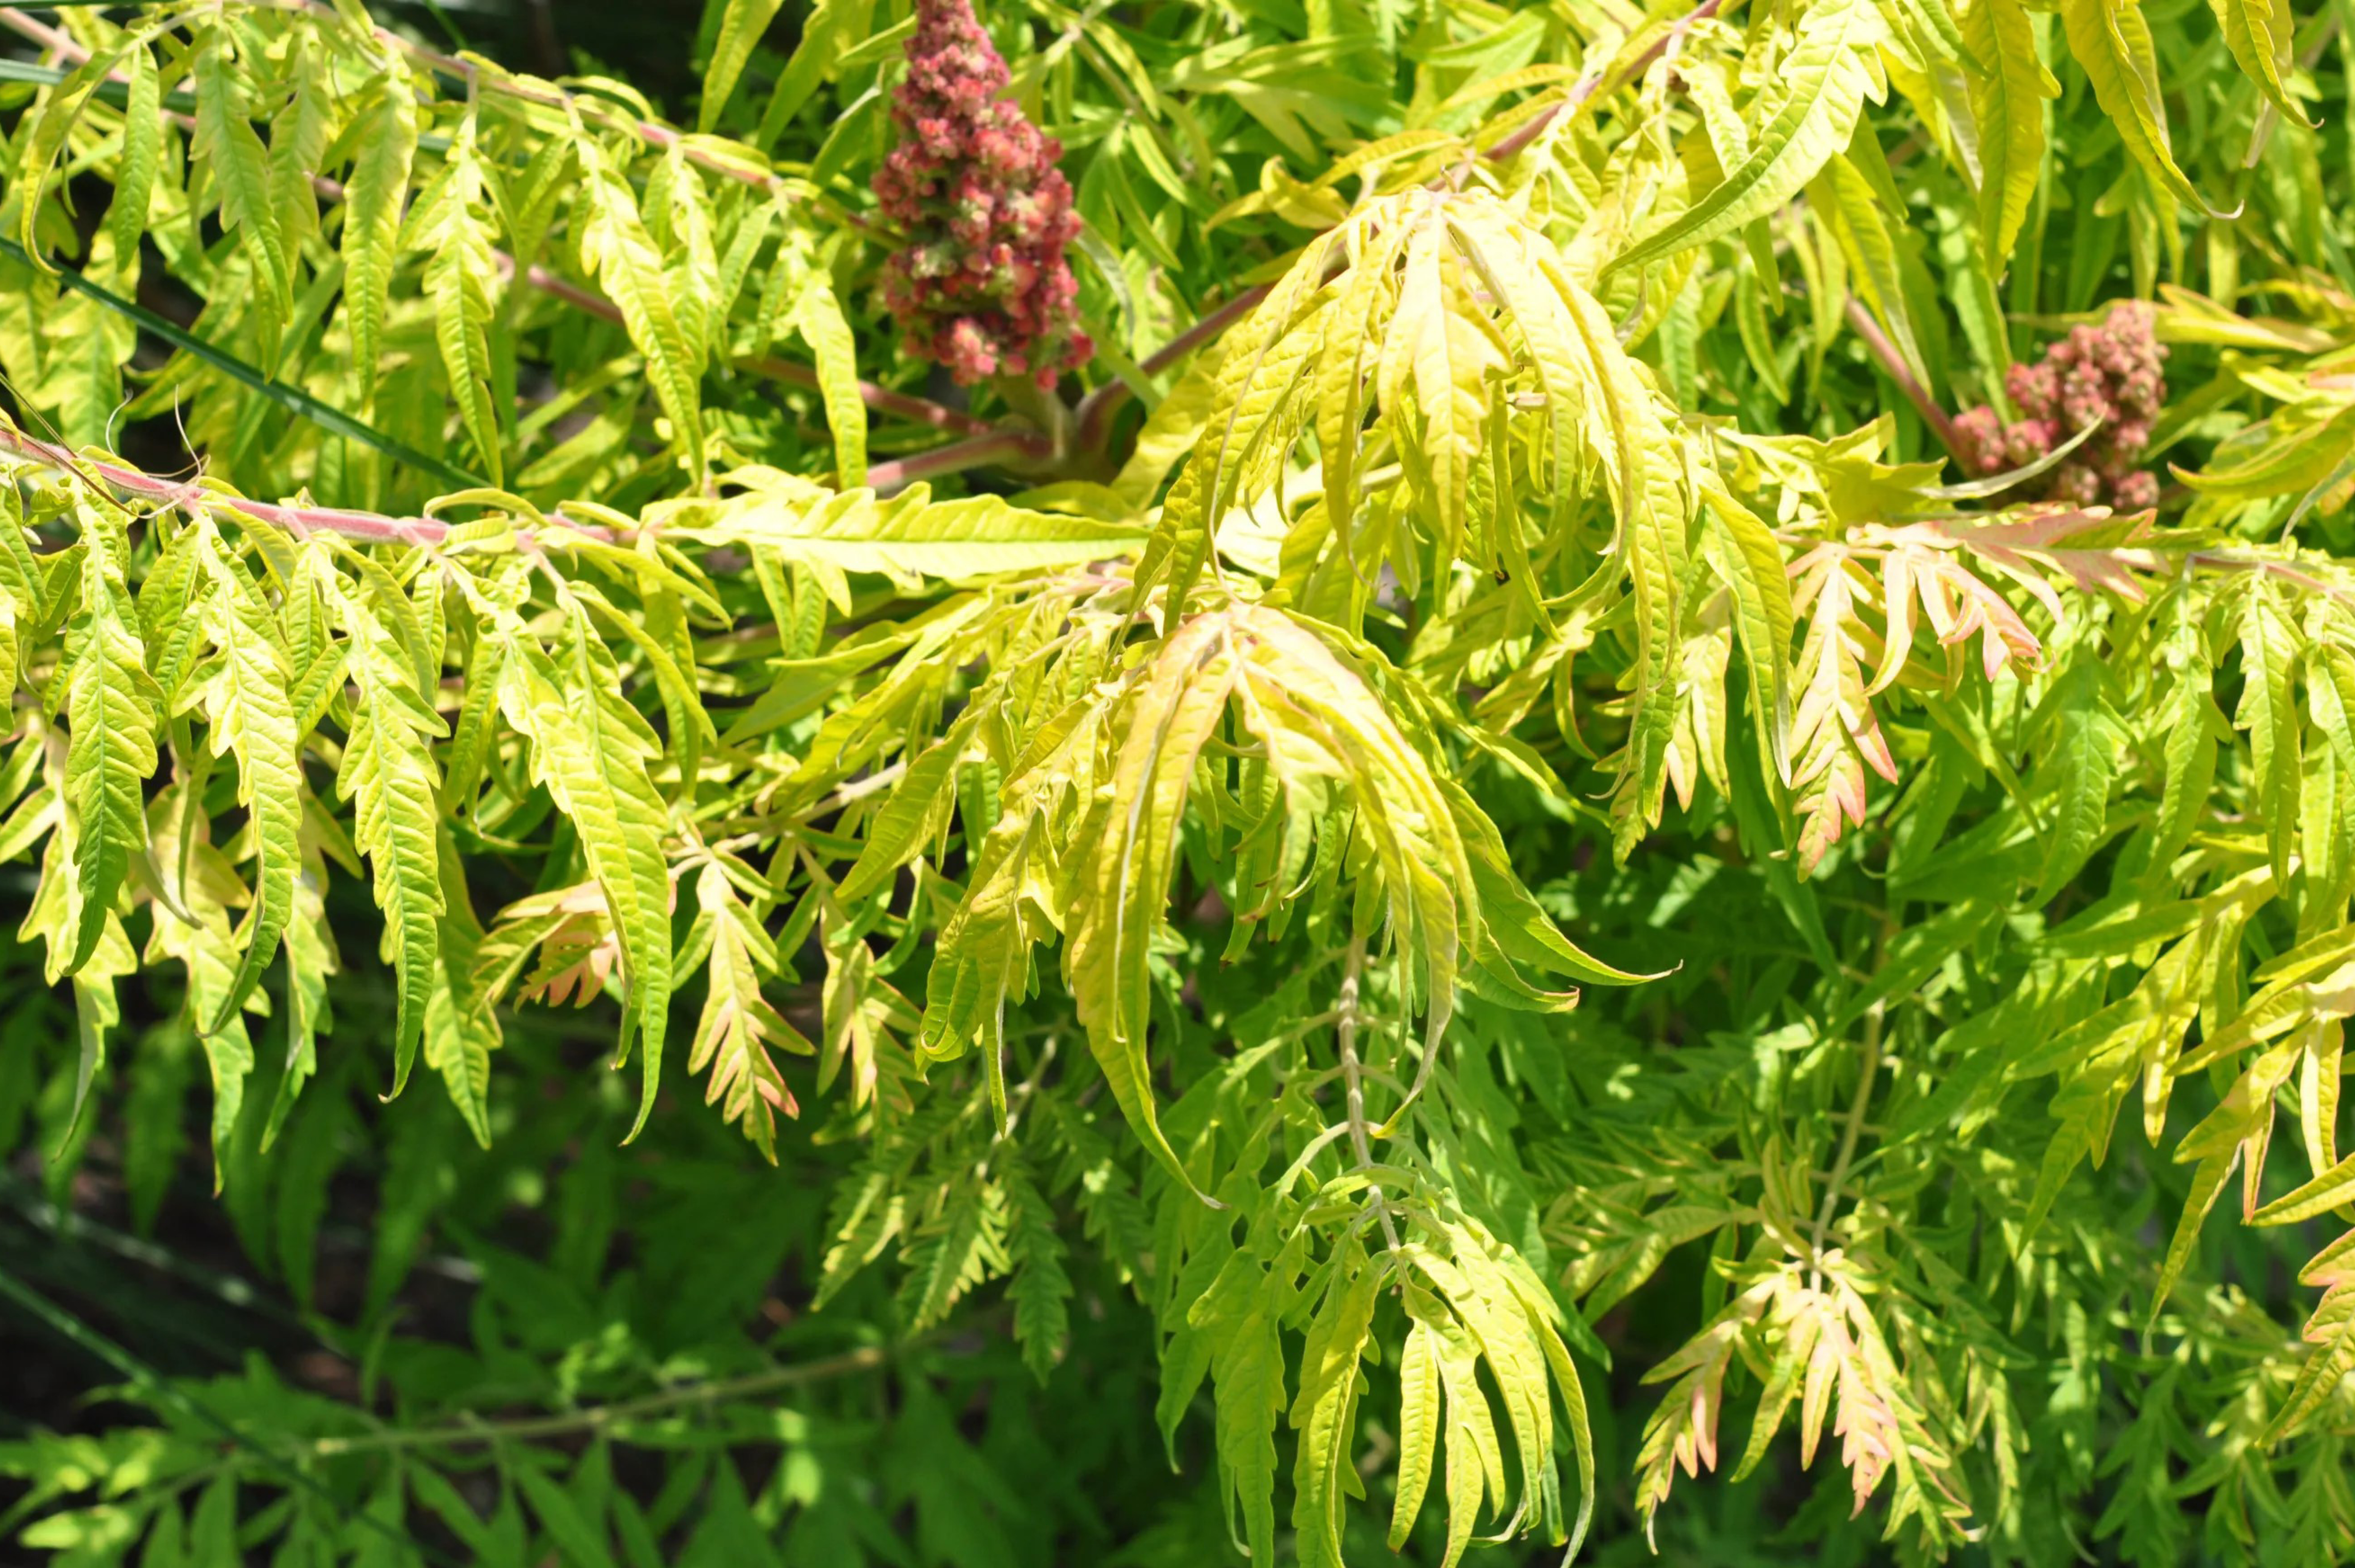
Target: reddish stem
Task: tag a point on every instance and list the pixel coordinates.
(1587, 86)
(1097, 408)
(980, 451)
(366, 528)
(882, 399)
(1877, 344)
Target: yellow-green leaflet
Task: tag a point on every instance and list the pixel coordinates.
(246, 700)
(62, 108)
(1819, 91)
(909, 537)
(461, 1028)
(372, 222)
(1323, 1413)
(631, 270)
(1247, 1365)
(135, 171)
(111, 710)
(388, 776)
(2261, 34)
(2268, 712)
(2112, 41)
(740, 26)
(1175, 705)
(226, 140)
(819, 317)
(448, 224)
(590, 748)
(738, 1025)
(2007, 102)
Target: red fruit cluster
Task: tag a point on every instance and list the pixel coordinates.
(981, 286)
(2109, 373)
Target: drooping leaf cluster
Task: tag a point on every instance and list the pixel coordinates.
(1473, 817)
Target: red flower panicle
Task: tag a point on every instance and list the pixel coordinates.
(981, 285)
(2109, 373)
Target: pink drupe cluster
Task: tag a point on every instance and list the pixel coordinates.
(980, 284)
(2110, 373)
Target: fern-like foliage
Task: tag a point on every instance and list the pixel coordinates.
(1517, 763)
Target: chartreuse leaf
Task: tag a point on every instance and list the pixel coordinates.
(135, 170)
(590, 748)
(1325, 1474)
(45, 131)
(1809, 112)
(389, 776)
(192, 925)
(1171, 715)
(1267, 355)
(910, 538)
(1236, 1315)
(113, 710)
(740, 26)
(462, 1025)
(247, 702)
(629, 265)
(372, 221)
(1319, 717)
(450, 223)
(2262, 35)
(2007, 105)
(2192, 735)
(738, 1026)
(2111, 39)
(228, 145)
(2268, 712)
(820, 320)
(1627, 432)
(1421, 1418)
(914, 815)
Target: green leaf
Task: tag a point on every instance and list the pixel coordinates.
(247, 703)
(44, 132)
(291, 398)
(112, 707)
(581, 1542)
(227, 145)
(1809, 113)
(1247, 1368)
(388, 776)
(1040, 1289)
(910, 538)
(2112, 41)
(738, 1024)
(2268, 712)
(1324, 1474)
(451, 224)
(590, 749)
(1169, 720)
(2262, 35)
(2326, 1190)
(371, 233)
(134, 171)
(2083, 763)
(2007, 105)
(740, 26)
(819, 317)
(630, 267)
